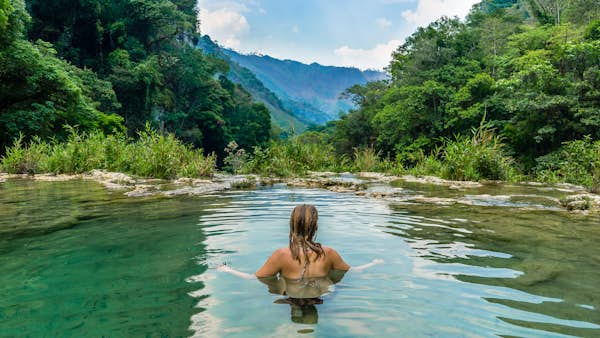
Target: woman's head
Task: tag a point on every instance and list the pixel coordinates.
(303, 222)
(303, 227)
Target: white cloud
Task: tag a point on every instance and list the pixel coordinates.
(295, 29)
(225, 25)
(376, 57)
(383, 23)
(431, 10)
(231, 5)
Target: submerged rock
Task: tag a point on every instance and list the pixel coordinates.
(380, 194)
(581, 202)
(195, 190)
(111, 180)
(366, 184)
(237, 181)
(336, 184)
(55, 177)
(378, 177)
(142, 190)
(537, 272)
(40, 177)
(440, 181)
(433, 200)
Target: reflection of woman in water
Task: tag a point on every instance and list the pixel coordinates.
(304, 270)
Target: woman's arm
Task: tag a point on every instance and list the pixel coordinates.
(337, 262)
(368, 265)
(225, 268)
(271, 267)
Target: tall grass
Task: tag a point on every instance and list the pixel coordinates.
(151, 155)
(366, 159)
(474, 158)
(24, 158)
(80, 153)
(294, 158)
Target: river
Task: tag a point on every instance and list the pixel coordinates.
(79, 260)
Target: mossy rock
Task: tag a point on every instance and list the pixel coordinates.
(580, 202)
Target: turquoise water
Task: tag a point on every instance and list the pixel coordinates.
(77, 260)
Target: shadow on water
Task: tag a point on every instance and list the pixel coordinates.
(302, 310)
(555, 254)
(302, 295)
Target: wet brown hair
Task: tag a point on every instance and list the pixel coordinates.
(303, 227)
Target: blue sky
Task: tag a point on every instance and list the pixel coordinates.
(343, 33)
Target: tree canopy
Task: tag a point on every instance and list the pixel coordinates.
(118, 64)
(535, 80)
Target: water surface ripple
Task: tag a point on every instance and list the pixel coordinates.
(141, 267)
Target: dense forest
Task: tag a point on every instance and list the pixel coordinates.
(526, 72)
(512, 92)
(116, 66)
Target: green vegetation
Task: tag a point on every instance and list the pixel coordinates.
(577, 162)
(475, 158)
(533, 73)
(151, 155)
(114, 66)
(293, 157)
(128, 76)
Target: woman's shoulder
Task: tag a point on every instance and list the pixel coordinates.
(285, 251)
(328, 249)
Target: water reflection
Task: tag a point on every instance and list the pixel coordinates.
(303, 294)
(549, 256)
(450, 271)
(302, 310)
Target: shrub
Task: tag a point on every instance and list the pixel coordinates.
(293, 157)
(152, 155)
(366, 159)
(164, 156)
(82, 152)
(577, 162)
(468, 159)
(235, 159)
(198, 165)
(427, 165)
(480, 157)
(25, 159)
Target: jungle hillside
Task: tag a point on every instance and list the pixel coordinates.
(512, 92)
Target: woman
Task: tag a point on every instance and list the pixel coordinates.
(303, 259)
(303, 271)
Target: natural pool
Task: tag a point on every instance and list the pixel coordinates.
(78, 260)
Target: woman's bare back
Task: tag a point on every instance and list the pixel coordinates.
(282, 262)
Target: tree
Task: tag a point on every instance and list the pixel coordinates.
(40, 93)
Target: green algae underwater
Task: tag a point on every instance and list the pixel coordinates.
(79, 260)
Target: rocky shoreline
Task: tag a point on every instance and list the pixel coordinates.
(365, 184)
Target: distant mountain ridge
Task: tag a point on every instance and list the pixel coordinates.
(313, 86)
(280, 115)
(298, 94)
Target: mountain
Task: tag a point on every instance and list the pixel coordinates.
(280, 115)
(308, 93)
